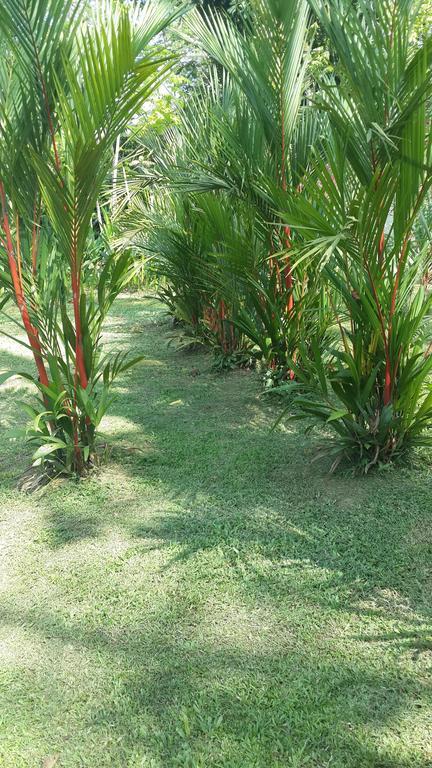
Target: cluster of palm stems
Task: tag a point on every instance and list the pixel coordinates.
(286, 214)
(72, 76)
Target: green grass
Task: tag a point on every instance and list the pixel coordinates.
(212, 599)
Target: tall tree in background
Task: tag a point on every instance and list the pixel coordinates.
(268, 65)
(246, 129)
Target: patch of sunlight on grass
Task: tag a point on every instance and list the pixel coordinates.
(287, 429)
(17, 527)
(26, 649)
(291, 571)
(242, 627)
(14, 348)
(103, 549)
(117, 480)
(152, 363)
(18, 385)
(409, 732)
(388, 600)
(119, 425)
(18, 648)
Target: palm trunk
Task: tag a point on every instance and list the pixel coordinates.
(287, 230)
(79, 348)
(115, 173)
(19, 293)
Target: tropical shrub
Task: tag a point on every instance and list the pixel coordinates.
(357, 216)
(69, 86)
(244, 133)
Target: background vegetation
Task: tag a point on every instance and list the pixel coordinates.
(215, 228)
(283, 209)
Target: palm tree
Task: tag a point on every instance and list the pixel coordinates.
(69, 88)
(268, 63)
(244, 134)
(357, 216)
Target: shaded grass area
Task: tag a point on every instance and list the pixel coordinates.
(210, 598)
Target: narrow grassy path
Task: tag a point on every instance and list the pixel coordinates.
(210, 599)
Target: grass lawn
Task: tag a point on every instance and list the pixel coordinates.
(211, 599)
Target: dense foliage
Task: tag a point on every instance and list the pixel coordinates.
(289, 210)
(69, 85)
(276, 190)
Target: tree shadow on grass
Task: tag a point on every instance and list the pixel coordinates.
(321, 554)
(343, 542)
(245, 511)
(63, 528)
(170, 690)
(323, 542)
(419, 640)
